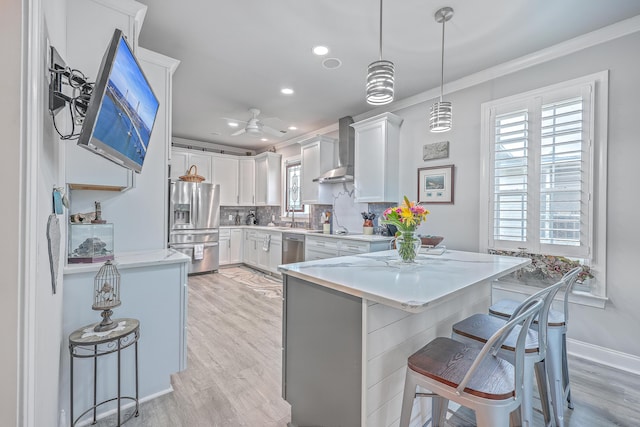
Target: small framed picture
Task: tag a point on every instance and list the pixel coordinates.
(435, 184)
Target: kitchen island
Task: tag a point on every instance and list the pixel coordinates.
(349, 324)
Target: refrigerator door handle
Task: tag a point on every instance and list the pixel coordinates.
(191, 245)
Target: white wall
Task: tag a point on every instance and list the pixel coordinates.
(10, 172)
(616, 326)
(29, 312)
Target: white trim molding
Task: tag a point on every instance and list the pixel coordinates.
(604, 356)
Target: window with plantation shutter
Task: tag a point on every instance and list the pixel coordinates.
(541, 192)
(540, 173)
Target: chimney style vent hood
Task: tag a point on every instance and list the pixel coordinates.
(346, 149)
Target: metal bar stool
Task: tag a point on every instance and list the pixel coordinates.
(471, 376)
(479, 327)
(557, 366)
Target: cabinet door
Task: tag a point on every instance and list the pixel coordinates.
(250, 248)
(275, 255)
(179, 166)
(203, 163)
(370, 154)
(235, 249)
(262, 170)
(224, 250)
(247, 179)
(376, 162)
(316, 158)
(225, 173)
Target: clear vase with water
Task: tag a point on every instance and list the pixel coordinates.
(407, 245)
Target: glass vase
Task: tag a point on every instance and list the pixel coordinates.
(407, 245)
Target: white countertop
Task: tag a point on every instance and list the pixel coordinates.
(137, 259)
(281, 229)
(383, 278)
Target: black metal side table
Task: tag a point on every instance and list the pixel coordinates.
(85, 343)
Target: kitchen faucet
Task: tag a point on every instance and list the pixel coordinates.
(293, 213)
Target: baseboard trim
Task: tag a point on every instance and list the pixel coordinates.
(604, 356)
(127, 406)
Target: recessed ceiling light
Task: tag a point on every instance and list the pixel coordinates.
(331, 63)
(320, 50)
(293, 128)
(286, 91)
(233, 124)
(264, 139)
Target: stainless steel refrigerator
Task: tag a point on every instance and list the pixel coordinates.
(194, 221)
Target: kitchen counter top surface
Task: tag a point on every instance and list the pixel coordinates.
(383, 278)
(124, 260)
(318, 233)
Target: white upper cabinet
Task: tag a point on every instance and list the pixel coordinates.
(376, 163)
(247, 181)
(241, 179)
(317, 155)
(268, 179)
(202, 163)
(225, 173)
(179, 163)
(182, 160)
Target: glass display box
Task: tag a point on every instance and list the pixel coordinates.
(90, 243)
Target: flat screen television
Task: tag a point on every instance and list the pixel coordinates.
(122, 108)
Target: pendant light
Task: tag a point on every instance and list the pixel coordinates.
(441, 117)
(380, 77)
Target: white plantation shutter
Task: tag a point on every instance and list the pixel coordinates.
(562, 199)
(510, 177)
(540, 175)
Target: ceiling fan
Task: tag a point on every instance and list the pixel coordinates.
(256, 127)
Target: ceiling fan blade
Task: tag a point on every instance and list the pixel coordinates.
(229, 119)
(272, 131)
(240, 132)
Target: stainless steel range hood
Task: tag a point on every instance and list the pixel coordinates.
(346, 148)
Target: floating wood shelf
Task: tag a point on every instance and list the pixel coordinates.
(95, 187)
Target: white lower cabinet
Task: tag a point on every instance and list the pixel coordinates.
(230, 246)
(316, 247)
(250, 248)
(321, 247)
(235, 247)
(263, 250)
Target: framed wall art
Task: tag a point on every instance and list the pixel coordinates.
(435, 184)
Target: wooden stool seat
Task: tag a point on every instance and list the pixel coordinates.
(505, 308)
(481, 327)
(447, 361)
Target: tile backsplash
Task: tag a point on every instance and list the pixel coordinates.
(345, 213)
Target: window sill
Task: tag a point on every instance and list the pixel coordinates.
(577, 297)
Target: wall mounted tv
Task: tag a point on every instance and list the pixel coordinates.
(122, 108)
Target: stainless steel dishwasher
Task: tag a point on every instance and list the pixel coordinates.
(292, 248)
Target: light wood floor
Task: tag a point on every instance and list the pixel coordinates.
(234, 370)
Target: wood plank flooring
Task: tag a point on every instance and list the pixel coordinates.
(234, 370)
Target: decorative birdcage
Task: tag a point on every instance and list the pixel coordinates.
(106, 294)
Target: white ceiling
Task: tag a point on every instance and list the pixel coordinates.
(239, 54)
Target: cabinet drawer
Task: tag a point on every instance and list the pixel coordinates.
(225, 233)
(327, 244)
(312, 255)
(351, 247)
